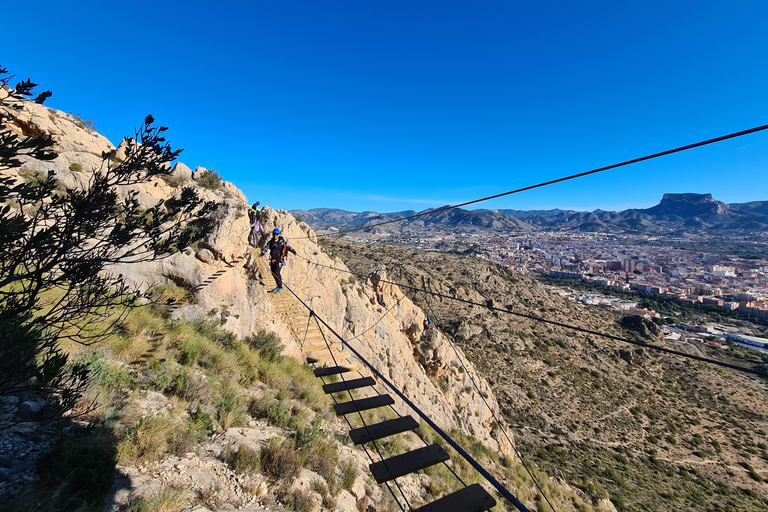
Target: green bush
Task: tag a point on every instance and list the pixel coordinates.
(279, 460)
(75, 167)
(321, 457)
(210, 179)
(298, 501)
(267, 343)
(201, 421)
(243, 460)
(348, 475)
(152, 437)
(231, 411)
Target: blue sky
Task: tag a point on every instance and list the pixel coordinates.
(400, 105)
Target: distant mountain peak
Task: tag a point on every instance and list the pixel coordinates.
(689, 205)
(688, 197)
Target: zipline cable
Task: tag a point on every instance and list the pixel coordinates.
(559, 180)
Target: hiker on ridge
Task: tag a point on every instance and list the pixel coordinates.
(277, 247)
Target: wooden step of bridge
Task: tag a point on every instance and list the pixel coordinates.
(473, 498)
(384, 429)
(335, 370)
(336, 387)
(321, 346)
(409, 462)
(363, 404)
(328, 358)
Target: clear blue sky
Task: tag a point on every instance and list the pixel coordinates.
(396, 105)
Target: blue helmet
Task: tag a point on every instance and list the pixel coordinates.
(276, 231)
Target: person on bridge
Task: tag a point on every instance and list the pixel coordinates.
(277, 248)
(254, 215)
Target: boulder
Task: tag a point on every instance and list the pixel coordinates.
(205, 256)
(182, 172)
(29, 409)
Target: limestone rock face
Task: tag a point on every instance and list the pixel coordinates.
(394, 339)
(80, 148)
(182, 172)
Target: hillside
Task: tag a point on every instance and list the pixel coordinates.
(206, 404)
(652, 431)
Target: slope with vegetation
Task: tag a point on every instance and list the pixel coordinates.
(648, 430)
(150, 347)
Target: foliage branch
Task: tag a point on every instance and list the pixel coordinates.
(57, 245)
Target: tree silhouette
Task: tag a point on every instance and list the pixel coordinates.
(57, 244)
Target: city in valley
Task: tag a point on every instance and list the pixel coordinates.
(723, 280)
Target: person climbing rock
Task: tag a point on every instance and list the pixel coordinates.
(380, 300)
(277, 248)
(254, 215)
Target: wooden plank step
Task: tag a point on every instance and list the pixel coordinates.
(473, 498)
(303, 325)
(335, 387)
(300, 315)
(333, 370)
(311, 339)
(327, 358)
(363, 404)
(409, 462)
(322, 346)
(308, 337)
(317, 333)
(292, 312)
(384, 429)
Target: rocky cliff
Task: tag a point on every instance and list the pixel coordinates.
(393, 338)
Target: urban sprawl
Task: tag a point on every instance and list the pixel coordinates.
(631, 263)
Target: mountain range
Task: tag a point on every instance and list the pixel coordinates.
(676, 213)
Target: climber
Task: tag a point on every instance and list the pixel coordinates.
(277, 248)
(254, 215)
(380, 300)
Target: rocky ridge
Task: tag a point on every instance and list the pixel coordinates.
(423, 365)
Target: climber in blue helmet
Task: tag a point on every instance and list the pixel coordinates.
(277, 248)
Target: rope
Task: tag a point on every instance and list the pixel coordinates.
(392, 406)
(477, 389)
(312, 314)
(753, 371)
(490, 478)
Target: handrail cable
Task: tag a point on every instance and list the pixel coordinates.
(392, 407)
(312, 314)
(558, 180)
(487, 405)
(357, 336)
(490, 478)
(753, 371)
